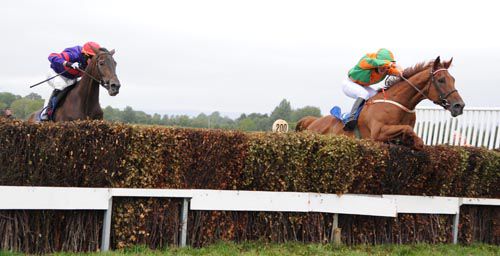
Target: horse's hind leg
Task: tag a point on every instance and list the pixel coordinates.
(388, 132)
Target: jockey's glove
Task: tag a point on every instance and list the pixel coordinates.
(73, 65)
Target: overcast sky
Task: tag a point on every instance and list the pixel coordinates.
(246, 56)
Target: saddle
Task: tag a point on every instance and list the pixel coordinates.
(55, 100)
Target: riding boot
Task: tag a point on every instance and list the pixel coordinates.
(353, 120)
(47, 111)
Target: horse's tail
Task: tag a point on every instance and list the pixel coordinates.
(304, 122)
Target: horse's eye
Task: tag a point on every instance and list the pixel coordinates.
(101, 63)
(442, 80)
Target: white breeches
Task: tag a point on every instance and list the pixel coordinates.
(59, 82)
(355, 90)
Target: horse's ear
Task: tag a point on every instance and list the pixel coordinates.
(447, 64)
(437, 62)
(112, 52)
(96, 50)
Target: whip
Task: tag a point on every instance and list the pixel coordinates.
(48, 79)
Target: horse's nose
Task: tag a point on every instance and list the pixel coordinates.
(114, 88)
(457, 108)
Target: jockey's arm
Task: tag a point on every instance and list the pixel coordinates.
(73, 54)
(56, 59)
(65, 58)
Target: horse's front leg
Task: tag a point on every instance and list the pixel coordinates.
(388, 132)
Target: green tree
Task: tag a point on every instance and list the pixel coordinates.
(305, 111)
(165, 120)
(221, 122)
(129, 115)
(247, 124)
(142, 118)
(183, 121)
(156, 119)
(112, 114)
(200, 121)
(22, 108)
(253, 122)
(33, 96)
(282, 111)
(8, 98)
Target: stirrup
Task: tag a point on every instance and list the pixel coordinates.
(350, 125)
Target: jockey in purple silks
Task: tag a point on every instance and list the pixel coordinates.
(68, 61)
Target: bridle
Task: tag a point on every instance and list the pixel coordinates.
(443, 97)
(100, 81)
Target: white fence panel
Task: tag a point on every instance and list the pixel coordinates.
(151, 192)
(223, 200)
(480, 201)
(70, 198)
(478, 127)
(353, 204)
(53, 198)
(425, 204)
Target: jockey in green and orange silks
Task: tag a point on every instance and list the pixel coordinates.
(367, 71)
(371, 69)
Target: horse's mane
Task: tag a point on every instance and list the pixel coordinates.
(407, 73)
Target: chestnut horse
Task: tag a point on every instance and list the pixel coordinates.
(82, 102)
(390, 114)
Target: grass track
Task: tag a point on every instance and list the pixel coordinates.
(307, 249)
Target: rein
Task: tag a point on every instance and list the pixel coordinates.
(415, 87)
(86, 73)
(443, 102)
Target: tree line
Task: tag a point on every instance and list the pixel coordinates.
(22, 107)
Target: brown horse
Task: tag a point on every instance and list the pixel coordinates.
(304, 122)
(390, 115)
(82, 102)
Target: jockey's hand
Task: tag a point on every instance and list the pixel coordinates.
(396, 69)
(399, 68)
(73, 65)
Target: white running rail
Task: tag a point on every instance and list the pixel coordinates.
(71, 198)
(478, 127)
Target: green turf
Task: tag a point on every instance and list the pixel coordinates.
(308, 249)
